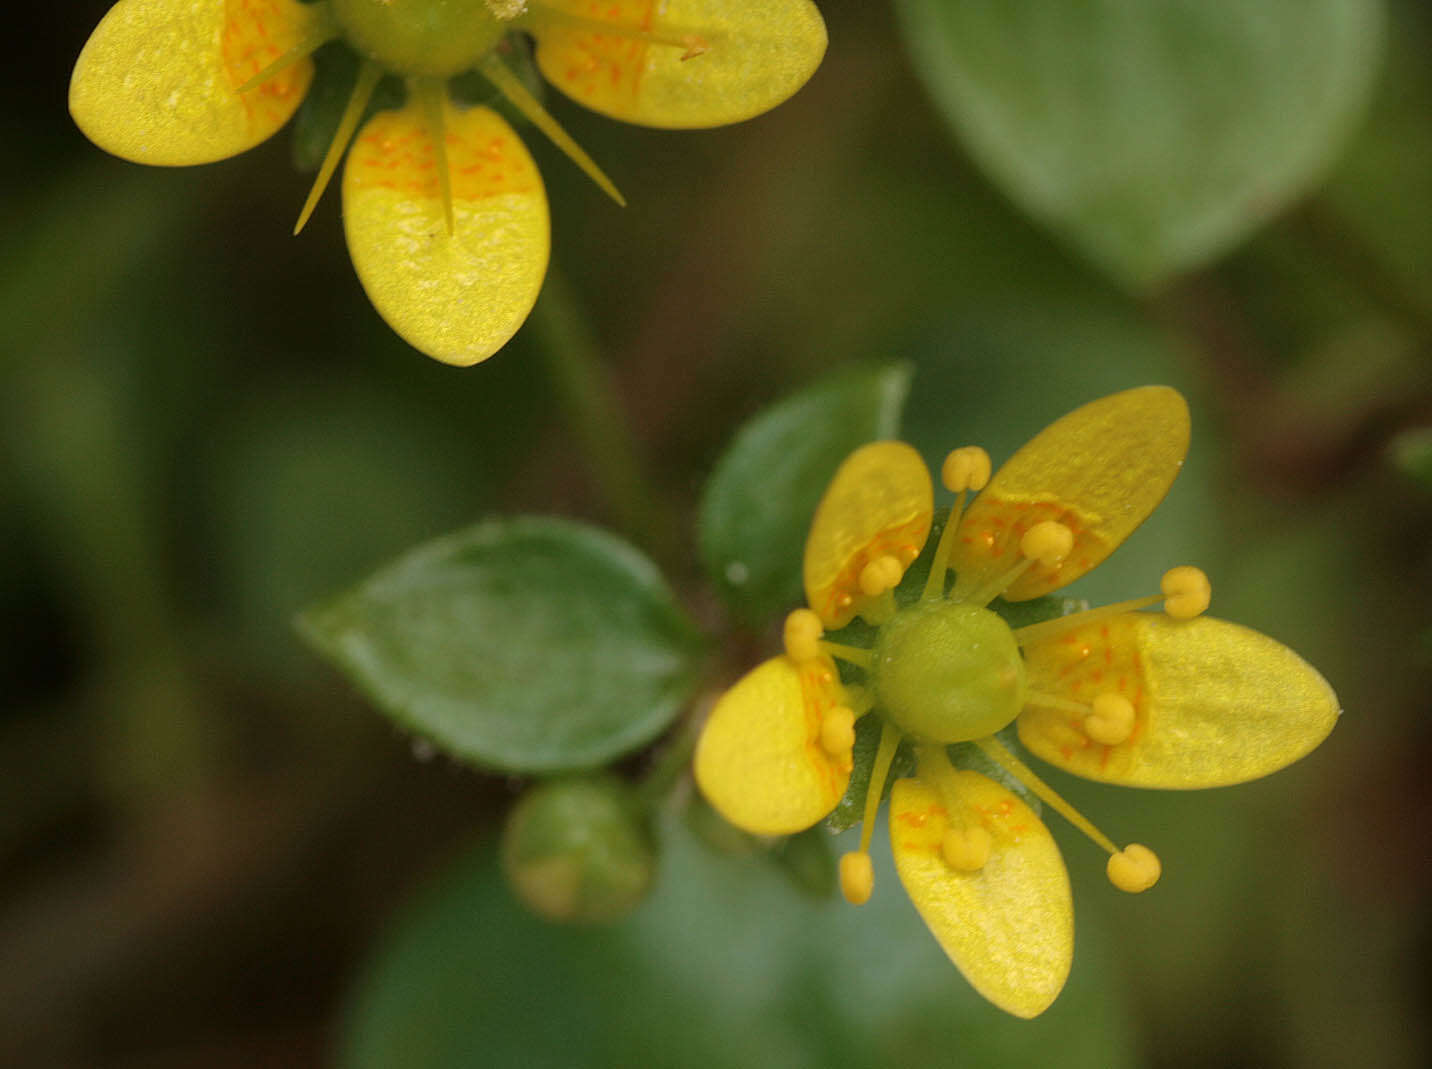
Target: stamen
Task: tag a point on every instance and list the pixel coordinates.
(1112, 719)
(1187, 592)
(837, 731)
(323, 29)
(880, 575)
(857, 878)
(1133, 869)
(1000, 755)
(1046, 543)
(429, 94)
(802, 635)
(965, 469)
(691, 44)
(858, 698)
(518, 95)
(966, 849)
(368, 75)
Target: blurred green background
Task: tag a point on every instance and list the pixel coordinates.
(214, 853)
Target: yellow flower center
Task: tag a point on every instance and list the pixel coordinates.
(948, 672)
(433, 38)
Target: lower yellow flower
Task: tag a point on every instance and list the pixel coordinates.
(446, 216)
(1170, 699)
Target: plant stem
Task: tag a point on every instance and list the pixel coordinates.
(589, 397)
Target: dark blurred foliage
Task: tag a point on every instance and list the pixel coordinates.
(206, 427)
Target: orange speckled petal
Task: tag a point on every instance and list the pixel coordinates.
(758, 53)
(1214, 703)
(458, 297)
(1100, 470)
(880, 503)
(760, 761)
(1009, 925)
(158, 80)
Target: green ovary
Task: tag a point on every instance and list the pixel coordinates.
(436, 38)
(948, 673)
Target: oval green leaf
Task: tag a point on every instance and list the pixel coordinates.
(1153, 134)
(524, 645)
(758, 504)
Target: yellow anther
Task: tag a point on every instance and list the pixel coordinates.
(802, 635)
(966, 849)
(880, 575)
(837, 731)
(1186, 592)
(857, 877)
(1048, 543)
(1133, 869)
(966, 468)
(1112, 720)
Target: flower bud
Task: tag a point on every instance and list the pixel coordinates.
(579, 850)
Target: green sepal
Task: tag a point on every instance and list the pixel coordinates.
(523, 645)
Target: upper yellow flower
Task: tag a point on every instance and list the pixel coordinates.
(1165, 699)
(445, 213)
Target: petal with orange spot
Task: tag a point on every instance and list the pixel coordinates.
(157, 82)
(1214, 703)
(456, 296)
(1100, 471)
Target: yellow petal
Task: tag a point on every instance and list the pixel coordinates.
(1100, 471)
(756, 54)
(1214, 703)
(760, 761)
(457, 297)
(1008, 925)
(880, 503)
(158, 80)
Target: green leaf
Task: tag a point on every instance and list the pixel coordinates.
(758, 504)
(722, 968)
(1153, 134)
(526, 645)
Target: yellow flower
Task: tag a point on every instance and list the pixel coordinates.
(445, 213)
(1169, 699)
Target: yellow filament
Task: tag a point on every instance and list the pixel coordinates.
(1000, 755)
(861, 658)
(323, 30)
(802, 635)
(940, 562)
(879, 609)
(517, 94)
(368, 75)
(691, 44)
(1050, 701)
(429, 94)
(857, 877)
(1048, 629)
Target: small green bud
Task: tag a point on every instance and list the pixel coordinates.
(579, 850)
